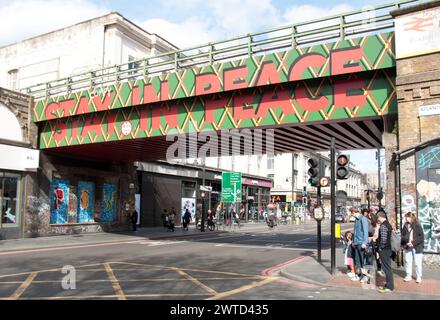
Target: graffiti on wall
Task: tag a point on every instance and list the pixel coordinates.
(72, 214)
(59, 201)
(108, 207)
(86, 198)
(428, 193)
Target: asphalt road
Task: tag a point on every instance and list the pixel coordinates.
(208, 265)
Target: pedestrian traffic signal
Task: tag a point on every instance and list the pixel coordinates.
(313, 172)
(342, 167)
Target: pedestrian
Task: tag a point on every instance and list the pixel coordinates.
(198, 216)
(227, 217)
(360, 242)
(171, 219)
(164, 216)
(186, 219)
(385, 252)
(413, 240)
(348, 254)
(369, 252)
(133, 218)
(373, 217)
(210, 219)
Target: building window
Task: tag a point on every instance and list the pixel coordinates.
(13, 79)
(270, 163)
(9, 203)
(188, 189)
(132, 65)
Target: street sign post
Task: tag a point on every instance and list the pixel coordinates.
(231, 187)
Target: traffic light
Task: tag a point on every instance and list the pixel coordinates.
(342, 167)
(313, 172)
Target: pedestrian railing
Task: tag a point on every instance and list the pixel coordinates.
(369, 20)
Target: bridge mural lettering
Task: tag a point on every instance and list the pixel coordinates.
(343, 57)
(347, 97)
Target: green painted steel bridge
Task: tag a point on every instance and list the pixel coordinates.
(309, 81)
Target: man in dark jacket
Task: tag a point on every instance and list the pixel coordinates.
(385, 252)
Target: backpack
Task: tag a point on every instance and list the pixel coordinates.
(395, 241)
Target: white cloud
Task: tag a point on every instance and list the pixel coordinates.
(24, 19)
(220, 20)
(188, 33)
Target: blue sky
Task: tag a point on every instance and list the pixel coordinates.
(183, 22)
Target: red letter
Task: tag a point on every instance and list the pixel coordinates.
(67, 106)
(275, 99)
(168, 112)
(307, 103)
(103, 105)
(207, 83)
(60, 131)
(111, 122)
(143, 118)
(339, 57)
(342, 100)
(51, 111)
(235, 78)
(150, 94)
(83, 106)
(135, 96)
(243, 108)
(211, 106)
(268, 74)
(91, 124)
(302, 63)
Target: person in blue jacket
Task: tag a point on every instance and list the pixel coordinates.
(360, 242)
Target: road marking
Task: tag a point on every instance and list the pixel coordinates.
(138, 280)
(47, 270)
(302, 240)
(242, 289)
(197, 282)
(17, 294)
(153, 295)
(113, 243)
(186, 269)
(257, 247)
(115, 284)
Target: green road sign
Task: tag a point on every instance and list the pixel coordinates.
(231, 186)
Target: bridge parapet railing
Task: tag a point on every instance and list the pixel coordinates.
(369, 20)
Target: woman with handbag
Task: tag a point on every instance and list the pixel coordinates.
(412, 242)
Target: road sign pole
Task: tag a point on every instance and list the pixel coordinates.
(333, 205)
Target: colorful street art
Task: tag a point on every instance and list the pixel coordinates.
(86, 199)
(428, 193)
(59, 201)
(190, 204)
(73, 208)
(108, 208)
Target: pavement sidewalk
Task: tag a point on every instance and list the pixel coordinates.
(155, 233)
(309, 270)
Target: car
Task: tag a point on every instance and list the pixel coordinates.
(352, 219)
(339, 217)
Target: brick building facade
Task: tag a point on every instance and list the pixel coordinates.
(418, 85)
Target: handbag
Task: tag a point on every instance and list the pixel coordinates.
(369, 250)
